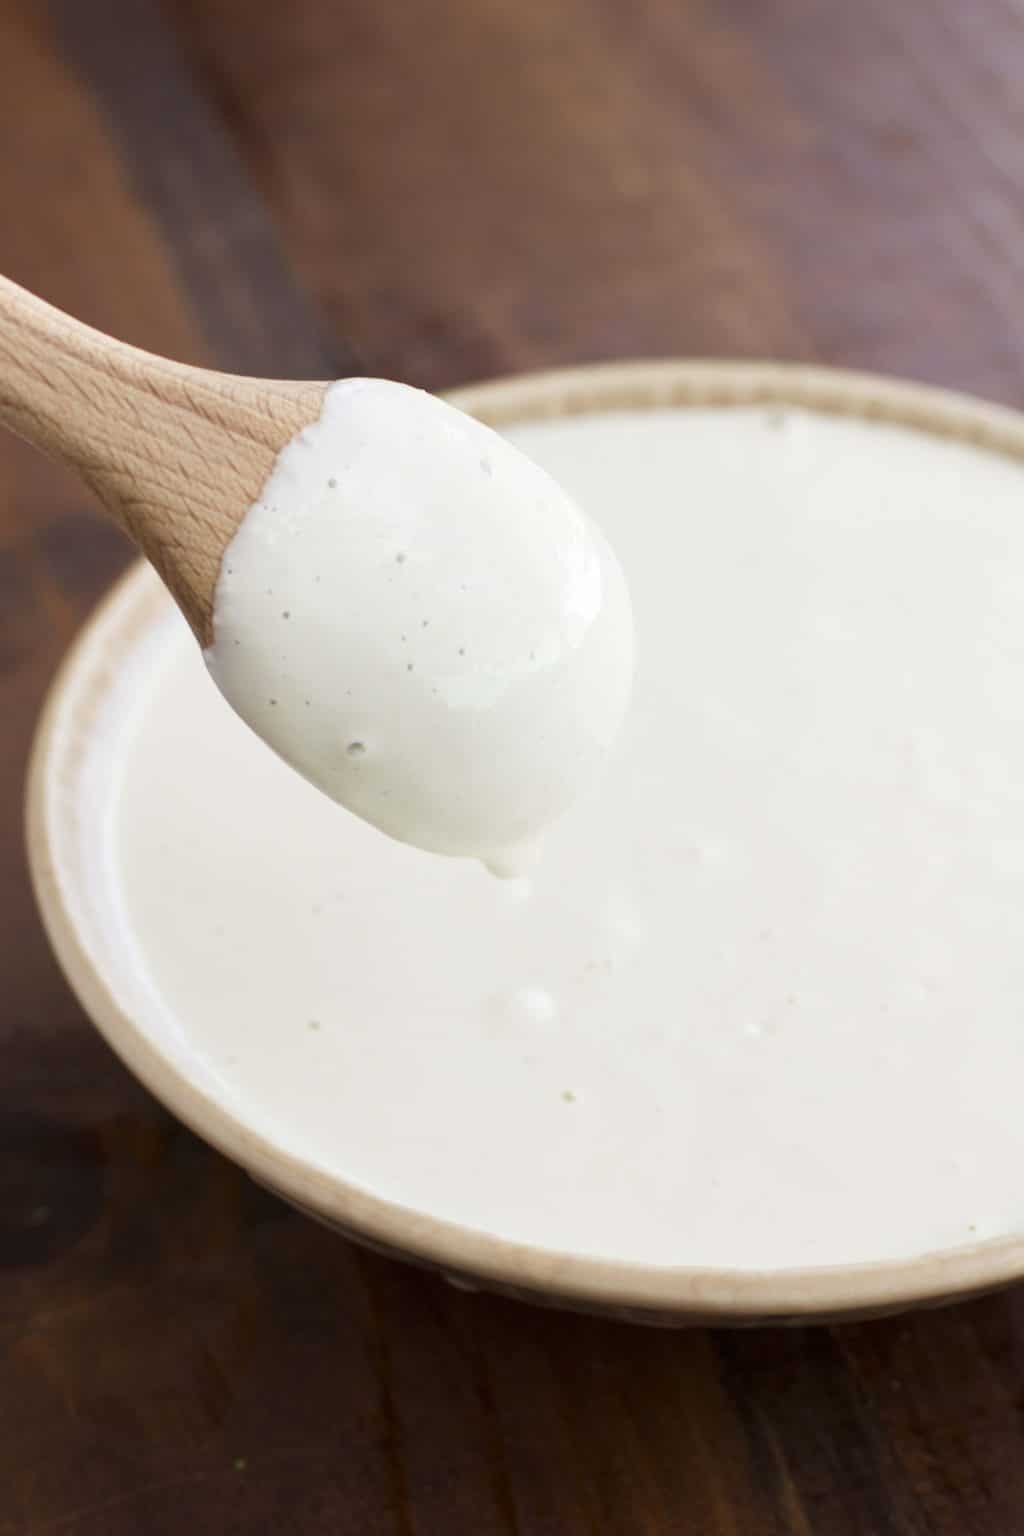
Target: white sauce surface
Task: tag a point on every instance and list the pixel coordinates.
(762, 1002)
(422, 622)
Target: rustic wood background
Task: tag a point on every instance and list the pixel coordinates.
(443, 191)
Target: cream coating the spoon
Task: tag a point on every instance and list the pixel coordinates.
(406, 608)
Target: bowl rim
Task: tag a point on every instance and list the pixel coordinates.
(664, 1293)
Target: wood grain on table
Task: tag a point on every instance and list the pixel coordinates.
(441, 192)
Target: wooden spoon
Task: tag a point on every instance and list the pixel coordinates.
(177, 455)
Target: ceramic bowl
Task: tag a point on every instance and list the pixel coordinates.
(66, 791)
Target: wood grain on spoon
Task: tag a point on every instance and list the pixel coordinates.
(176, 454)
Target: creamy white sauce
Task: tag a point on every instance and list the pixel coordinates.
(424, 624)
(762, 1002)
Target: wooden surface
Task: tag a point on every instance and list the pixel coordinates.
(440, 192)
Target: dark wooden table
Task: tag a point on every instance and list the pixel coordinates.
(443, 191)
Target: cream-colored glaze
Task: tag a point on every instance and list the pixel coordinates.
(758, 1007)
(423, 623)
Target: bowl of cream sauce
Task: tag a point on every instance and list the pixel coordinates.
(744, 1043)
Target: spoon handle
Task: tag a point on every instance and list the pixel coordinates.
(176, 454)
(76, 394)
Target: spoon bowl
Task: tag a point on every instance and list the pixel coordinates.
(410, 612)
